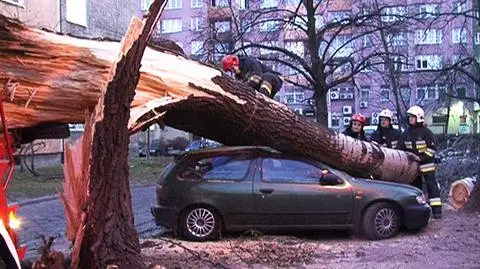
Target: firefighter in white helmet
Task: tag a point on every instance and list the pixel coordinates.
(386, 135)
(420, 140)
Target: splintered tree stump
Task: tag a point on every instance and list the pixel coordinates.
(54, 78)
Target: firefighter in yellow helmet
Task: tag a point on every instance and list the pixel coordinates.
(420, 140)
(386, 135)
(257, 75)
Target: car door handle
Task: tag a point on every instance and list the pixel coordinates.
(266, 191)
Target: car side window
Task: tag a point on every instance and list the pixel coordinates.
(225, 167)
(279, 170)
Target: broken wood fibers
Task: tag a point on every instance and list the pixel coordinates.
(68, 73)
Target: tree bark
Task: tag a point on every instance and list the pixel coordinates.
(186, 94)
(100, 221)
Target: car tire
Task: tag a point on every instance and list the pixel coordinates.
(381, 221)
(200, 223)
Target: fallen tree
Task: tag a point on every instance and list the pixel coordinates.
(56, 78)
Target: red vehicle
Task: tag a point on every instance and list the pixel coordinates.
(11, 253)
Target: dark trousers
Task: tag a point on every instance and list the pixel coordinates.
(433, 191)
(272, 81)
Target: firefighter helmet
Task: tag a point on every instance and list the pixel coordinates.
(386, 113)
(229, 61)
(360, 118)
(417, 112)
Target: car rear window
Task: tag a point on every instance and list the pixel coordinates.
(226, 168)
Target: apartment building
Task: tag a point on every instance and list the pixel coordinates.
(107, 19)
(36, 13)
(416, 52)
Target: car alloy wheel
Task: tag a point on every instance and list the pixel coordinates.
(381, 221)
(200, 222)
(386, 222)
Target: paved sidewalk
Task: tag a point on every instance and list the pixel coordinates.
(46, 216)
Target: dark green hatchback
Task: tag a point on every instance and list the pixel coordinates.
(203, 193)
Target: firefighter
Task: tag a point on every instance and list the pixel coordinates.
(250, 70)
(420, 140)
(355, 128)
(386, 135)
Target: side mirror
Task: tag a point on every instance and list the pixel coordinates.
(330, 179)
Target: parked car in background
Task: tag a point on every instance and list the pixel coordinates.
(201, 144)
(203, 193)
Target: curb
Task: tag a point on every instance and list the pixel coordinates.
(56, 196)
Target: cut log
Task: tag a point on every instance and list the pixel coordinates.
(54, 78)
(460, 191)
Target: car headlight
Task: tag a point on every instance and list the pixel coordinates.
(421, 199)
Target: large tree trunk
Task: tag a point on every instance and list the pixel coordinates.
(67, 75)
(101, 221)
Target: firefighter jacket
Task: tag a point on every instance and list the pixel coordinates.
(251, 71)
(386, 137)
(360, 136)
(420, 141)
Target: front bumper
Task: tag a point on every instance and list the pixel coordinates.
(416, 216)
(165, 216)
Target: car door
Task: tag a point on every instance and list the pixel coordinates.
(225, 182)
(288, 193)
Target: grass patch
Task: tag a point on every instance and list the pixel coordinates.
(25, 185)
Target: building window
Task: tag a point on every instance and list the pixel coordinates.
(222, 26)
(397, 40)
(337, 16)
(366, 67)
(174, 4)
(269, 4)
(426, 62)
(20, 3)
(460, 7)
(477, 38)
(461, 91)
(405, 94)
(295, 47)
(264, 51)
(294, 97)
(171, 26)
(268, 26)
(246, 51)
(365, 94)
(196, 47)
(366, 41)
(428, 37)
(459, 35)
(428, 11)
(342, 46)
(319, 21)
(76, 12)
(220, 3)
(297, 22)
(384, 95)
(196, 3)
(292, 2)
(242, 4)
(391, 14)
(400, 63)
(427, 93)
(246, 26)
(196, 24)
